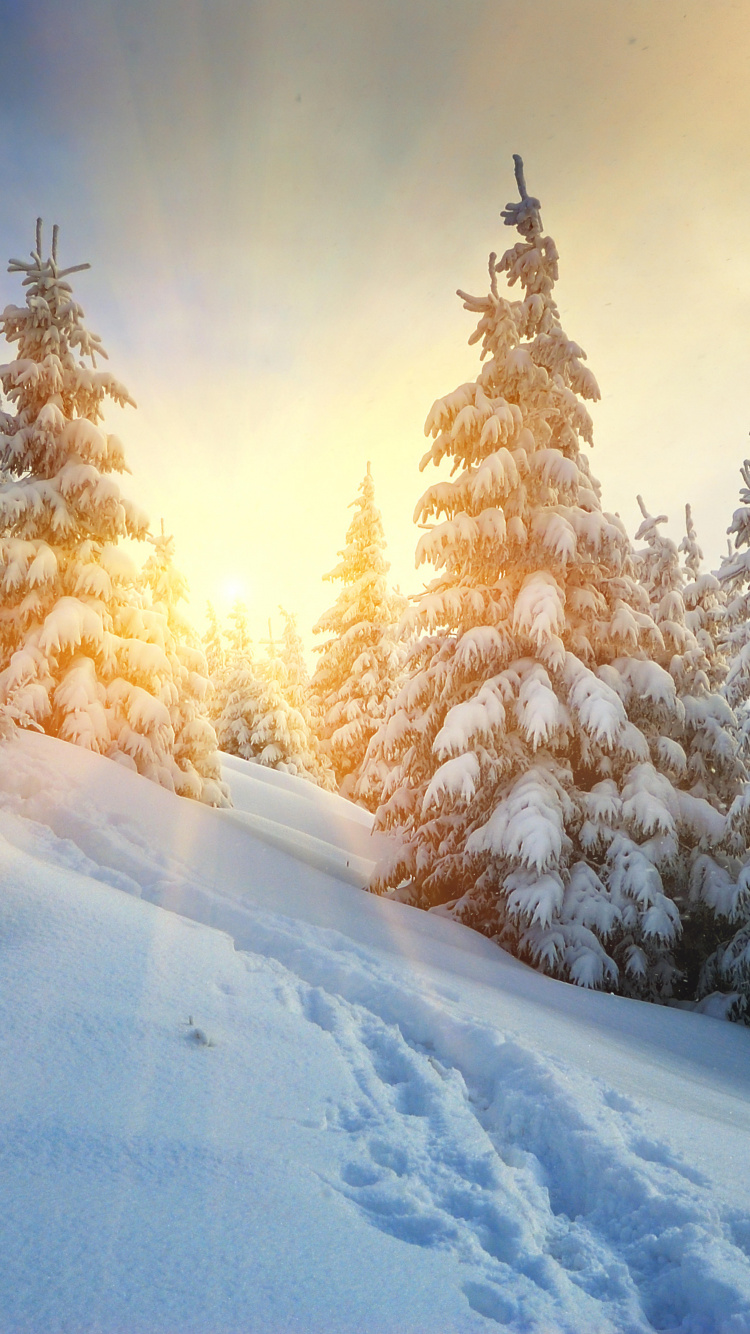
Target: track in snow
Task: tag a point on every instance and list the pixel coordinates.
(562, 1210)
(544, 1186)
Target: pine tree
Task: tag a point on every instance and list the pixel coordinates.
(226, 660)
(289, 720)
(197, 765)
(236, 722)
(81, 654)
(294, 680)
(701, 750)
(238, 634)
(524, 794)
(235, 682)
(700, 747)
(360, 662)
(705, 607)
(213, 644)
(216, 663)
(259, 723)
(294, 677)
(725, 975)
(734, 577)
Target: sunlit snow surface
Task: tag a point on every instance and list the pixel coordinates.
(330, 1113)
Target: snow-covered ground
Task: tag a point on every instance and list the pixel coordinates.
(239, 1096)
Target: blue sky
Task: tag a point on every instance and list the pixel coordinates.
(279, 200)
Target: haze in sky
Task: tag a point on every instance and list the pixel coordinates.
(279, 200)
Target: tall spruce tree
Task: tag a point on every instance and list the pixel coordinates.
(734, 577)
(258, 721)
(705, 607)
(700, 748)
(290, 664)
(82, 655)
(238, 634)
(234, 684)
(197, 765)
(294, 679)
(213, 644)
(525, 794)
(360, 661)
(289, 723)
(226, 660)
(725, 976)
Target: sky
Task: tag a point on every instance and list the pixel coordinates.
(279, 199)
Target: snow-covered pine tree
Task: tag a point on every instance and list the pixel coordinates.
(213, 643)
(734, 578)
(658, 567)
(196, 763)
(360, 661)
(700, 747)
(226, 660)
(725, 977)
(294, 680)
(294, 677)
(234, 724)
(285, 722)
(234, 683)
(80, 654)
(697, 745)
(238, 638)
(257, 722)
(705, 606)
(524, 796)
(213, 647)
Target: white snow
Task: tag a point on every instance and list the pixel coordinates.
(240, 1095)
(539, 610)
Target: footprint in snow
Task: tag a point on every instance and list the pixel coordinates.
(529, 1183)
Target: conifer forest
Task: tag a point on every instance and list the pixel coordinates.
(374, 667)
(553, 734)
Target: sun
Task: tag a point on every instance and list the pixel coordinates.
(233, 587)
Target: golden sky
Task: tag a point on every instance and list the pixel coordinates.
(279, 200)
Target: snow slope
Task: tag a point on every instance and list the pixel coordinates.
(284, 1105)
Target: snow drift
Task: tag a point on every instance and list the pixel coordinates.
(240, 1094)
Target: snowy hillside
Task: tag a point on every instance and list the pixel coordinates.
(240, 1095)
